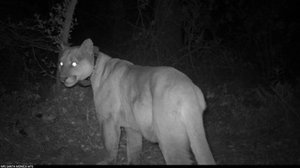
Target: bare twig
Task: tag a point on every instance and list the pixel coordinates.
(284, 103)
(46, 72)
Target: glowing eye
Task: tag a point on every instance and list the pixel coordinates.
(74, 64)
(61, 63)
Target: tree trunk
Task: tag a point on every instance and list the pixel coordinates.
(65, 34)
(68, 21)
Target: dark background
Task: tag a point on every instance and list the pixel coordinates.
(261, 33)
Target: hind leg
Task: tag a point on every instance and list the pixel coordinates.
(175, 150)
(173, 142)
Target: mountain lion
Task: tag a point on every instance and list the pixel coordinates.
(159, 103)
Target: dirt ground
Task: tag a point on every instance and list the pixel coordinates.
(244, 126)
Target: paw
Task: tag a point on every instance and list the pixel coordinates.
(103, 162)
(106, 162)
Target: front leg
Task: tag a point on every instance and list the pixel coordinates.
(134, 146)
(111, 138)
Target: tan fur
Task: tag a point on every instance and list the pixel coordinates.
(159, 103)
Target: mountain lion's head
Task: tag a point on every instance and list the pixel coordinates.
(76, 63)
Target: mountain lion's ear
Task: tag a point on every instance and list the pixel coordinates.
(87, 46)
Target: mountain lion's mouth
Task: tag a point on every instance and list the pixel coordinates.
(70, 81)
